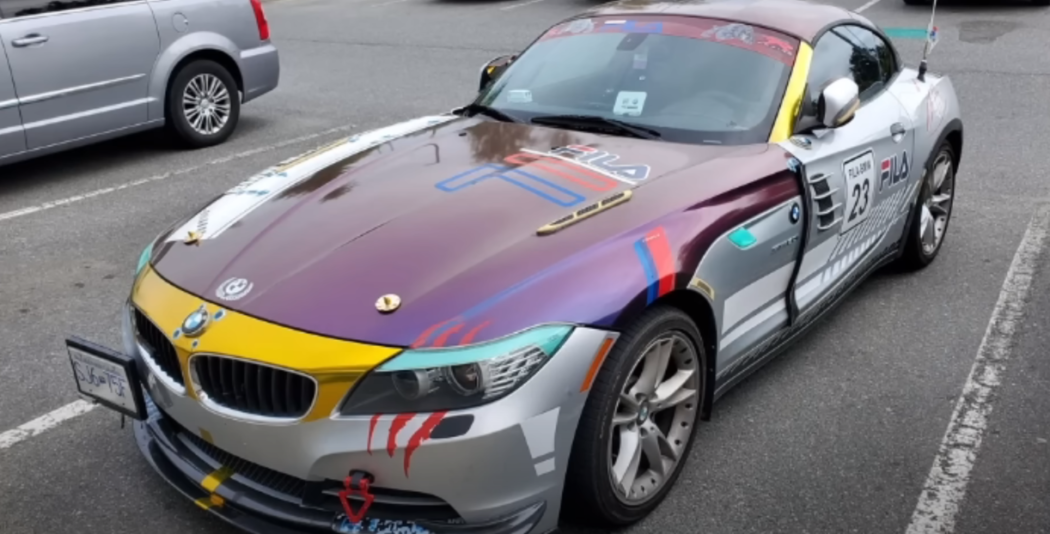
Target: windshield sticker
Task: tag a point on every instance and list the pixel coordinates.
(580, 26)
(640, 60)
(729, 32)
(519, 96)
(770, 43)
(629, 103)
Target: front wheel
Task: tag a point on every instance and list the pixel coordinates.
(203, 104)
(639, 422)
(932, 212)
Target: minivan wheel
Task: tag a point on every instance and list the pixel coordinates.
(203, 104)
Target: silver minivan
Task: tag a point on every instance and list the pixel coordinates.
(76, 72)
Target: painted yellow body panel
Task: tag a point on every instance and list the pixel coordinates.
(792, 103)
(336, 364)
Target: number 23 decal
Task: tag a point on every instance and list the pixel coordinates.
(861, 197)
(860, 175)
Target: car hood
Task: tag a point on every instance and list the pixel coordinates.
(442, 212)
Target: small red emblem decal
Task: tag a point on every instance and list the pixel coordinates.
(344, 497)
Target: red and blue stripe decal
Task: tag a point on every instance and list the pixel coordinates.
(654, 251)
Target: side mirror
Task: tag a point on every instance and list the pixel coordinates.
(838, 103)
(492, 69)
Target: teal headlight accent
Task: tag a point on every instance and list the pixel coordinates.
(147, 253)
(547, 338)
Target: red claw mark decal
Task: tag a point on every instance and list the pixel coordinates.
(440, 334)
(443, 338)
(372, 431)
(469, 336)
(396, 425)
(421, 435)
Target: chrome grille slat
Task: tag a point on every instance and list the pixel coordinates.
(161, 350)
(252, 388)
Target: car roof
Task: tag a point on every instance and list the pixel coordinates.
(799, 18)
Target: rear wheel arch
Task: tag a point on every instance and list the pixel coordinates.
(212, 54)
(954, 135)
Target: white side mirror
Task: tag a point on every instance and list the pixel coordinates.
(838, 103)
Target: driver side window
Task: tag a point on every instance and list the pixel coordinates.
(850, 51)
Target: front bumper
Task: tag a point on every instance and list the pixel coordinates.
(493, 469)
(261, 501)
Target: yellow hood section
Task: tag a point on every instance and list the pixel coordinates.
(336, 364)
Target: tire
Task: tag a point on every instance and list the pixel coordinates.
(590, 495)
(914, 256)
(1041, 2)
(198, 72)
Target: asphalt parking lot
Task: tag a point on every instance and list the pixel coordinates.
(839, 435)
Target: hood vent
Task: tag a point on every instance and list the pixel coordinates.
(585, 212)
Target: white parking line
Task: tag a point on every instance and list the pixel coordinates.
(226, 159)
(865, 7)
(946, 483)
(45, 422)
(520, 4)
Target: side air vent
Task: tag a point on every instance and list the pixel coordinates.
(824, 205)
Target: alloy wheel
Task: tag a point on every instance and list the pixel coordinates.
(206, 103)
(654, 417)
(937, 206)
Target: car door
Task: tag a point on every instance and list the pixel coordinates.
(79, 71)
(860, 174)
(12, 138)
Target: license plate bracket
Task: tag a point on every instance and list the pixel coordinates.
(107, 377)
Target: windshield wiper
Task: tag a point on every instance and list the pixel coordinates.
(482, 109)
(596, 121)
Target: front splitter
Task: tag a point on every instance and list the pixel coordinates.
(258, 513)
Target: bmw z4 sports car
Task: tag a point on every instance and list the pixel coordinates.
(473, 322)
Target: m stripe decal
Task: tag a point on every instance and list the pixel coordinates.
(654, 251)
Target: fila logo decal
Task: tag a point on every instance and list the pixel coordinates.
(894, 170)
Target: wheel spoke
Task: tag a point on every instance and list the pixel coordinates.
(939, 174)
(654, 368)
(629, 402)
(668, 388)
(621, 419)
(678, 397)
(626, 468)
(927, 227)
(656, 448)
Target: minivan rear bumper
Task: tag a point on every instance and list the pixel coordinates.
(260, 70)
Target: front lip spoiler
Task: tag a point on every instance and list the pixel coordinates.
(257, 513)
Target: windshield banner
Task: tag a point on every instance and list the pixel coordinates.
(772, 44)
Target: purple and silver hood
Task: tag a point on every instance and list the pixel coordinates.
(444, 212)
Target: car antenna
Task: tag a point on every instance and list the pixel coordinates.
(931, 41)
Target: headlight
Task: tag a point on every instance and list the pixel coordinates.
(144, 258)
(430, 380)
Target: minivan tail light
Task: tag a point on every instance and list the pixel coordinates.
(260, 20)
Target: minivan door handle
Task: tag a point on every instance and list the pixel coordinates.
(29, 40)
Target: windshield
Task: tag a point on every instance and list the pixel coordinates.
(691, 80)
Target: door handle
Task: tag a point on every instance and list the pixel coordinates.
(29, 40)
(897, 132)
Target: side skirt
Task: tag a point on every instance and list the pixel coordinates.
(786, 337)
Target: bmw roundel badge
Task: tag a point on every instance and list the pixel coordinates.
(195, 323)
(796, 212)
